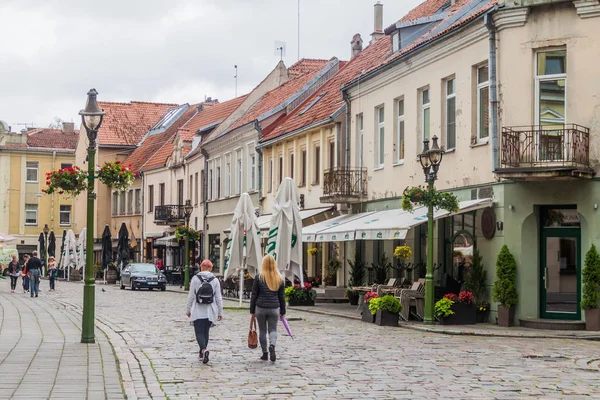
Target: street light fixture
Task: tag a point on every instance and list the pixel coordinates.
(430, 160)
(46, 231)
(91, 117)
(187, 212)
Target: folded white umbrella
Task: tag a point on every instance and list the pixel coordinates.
(5, 237)
(69, 258)
(243, 247)
(285, 231)
(81, 250)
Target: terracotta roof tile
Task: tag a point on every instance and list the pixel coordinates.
(213, 114)
(52, 139)
(306, 65)
(126, 123)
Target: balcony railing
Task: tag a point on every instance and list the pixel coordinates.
(344, 185)
(169, 215)
(530, 148)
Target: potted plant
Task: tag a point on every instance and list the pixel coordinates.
(112, 274)
(505, 287)
(312, 251)
(381, 269)
(386, 310)
(181, 232)
(443, 308)
(117, 175)
(300, 296)
(332, 267)
(357, 276)
(98, 272)
(476, 284)
(70, 180)
(462, 307)
(591, 289)
(402, 254)
(366, 313)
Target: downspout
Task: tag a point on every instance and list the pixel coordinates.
(347, 133)
(260, 163)
(489, 23)
(53, 197)
(142, 236)
(203, 238)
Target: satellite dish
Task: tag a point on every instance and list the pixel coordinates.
(280, 48)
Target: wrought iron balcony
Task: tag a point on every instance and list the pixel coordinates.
(169, 215)
(539, 152)
(344, 185)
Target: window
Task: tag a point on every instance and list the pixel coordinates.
(129, 202)
(317, 164)
(425, 115)
(32, 172)
(227, 175)
(280, 169)
(251, 168)
(483, 103)
(150, 199)
(218, 191)
(270, 175)
(180, 199)
(396, 41)
(138, 201)
(400, 132)
(31, 214)
(191, 188)
(122, 199)
(303, 168)
(196, 186)
(161, 197)
(380, 138)
(210, 184)
(292, 165)
(450, 114)
(331, 155)
(115, 203)
(65, 215)
(359, 134)
(238, 172)
(202, 188)
(65, 165)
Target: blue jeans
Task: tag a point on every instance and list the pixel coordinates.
(34, 282)
(25, 283)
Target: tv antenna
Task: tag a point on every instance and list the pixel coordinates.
(236, 79)
(280, 49)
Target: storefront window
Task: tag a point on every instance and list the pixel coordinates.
(214, 250)
(557, 218)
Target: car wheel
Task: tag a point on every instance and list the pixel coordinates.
(132, 285)
(121, 286)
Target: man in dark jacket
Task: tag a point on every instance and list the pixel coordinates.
(34, 267)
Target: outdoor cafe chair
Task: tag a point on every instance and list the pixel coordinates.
(415, 296)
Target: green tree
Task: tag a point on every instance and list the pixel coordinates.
(357, 270)
(505, 287)
(476, 281)
(591, 279)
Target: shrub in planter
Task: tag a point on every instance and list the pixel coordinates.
(386, 310)
(353, 296)
(505, 287)
(591, 289)
(381, 269)
(300, 296)
(366, 313)
(456, 310)
(476, 283)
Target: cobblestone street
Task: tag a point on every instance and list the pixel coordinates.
(329, 358)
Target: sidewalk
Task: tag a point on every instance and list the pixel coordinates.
(344, 310)
(41, 356)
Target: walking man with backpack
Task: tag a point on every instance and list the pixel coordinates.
(204, 305)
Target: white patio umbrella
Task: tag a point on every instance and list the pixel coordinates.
(69, 253)
(285, 231)
(81, 250)
(243, 248)
(5, 237)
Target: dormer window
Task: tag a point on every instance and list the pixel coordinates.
(395, 41)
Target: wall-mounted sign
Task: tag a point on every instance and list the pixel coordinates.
(488, 223)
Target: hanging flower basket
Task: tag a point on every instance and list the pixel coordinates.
(117, 175)
(182, 232)
(419, 196)
(71, 181)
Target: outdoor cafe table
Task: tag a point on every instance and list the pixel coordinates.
(361, 294)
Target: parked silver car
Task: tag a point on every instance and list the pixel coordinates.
(139, 275)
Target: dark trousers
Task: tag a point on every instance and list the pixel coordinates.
(13, 282)
(52, 278)
(26, 283)
(202, 327)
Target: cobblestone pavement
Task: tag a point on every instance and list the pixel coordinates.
(41, 356)
(330, 358)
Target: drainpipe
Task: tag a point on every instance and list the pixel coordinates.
(204, 237)
(260, 163)
(143, 238)
(53, 197)
(347, 133)
(489, 23)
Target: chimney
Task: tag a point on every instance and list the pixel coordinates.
(378, 23)
(356, 45)
(68, 127)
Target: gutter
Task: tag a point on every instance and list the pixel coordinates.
(294, 132)
(118, 146)
(204, 238)
(489, 23)
(347, 139)
(142, 236)
(37, 150)
(260, 164)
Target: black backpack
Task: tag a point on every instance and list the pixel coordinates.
(206, 294)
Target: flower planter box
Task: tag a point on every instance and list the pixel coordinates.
(464, 314)
(592, 319)
(353, 298)
(305, 302)
(482, 316)
(366, 314)
(506, 316)
(386, 318)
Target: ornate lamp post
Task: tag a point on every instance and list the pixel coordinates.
(46, 231)
(91, 117)
(187, 212)
(430, 160)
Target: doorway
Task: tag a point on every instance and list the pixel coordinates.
(560, 264)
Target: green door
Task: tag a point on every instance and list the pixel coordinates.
(560, 262)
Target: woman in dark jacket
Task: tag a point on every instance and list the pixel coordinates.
(267, 304)
(13, 271)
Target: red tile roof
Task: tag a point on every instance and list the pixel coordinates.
(52, 139)
(126, 123)
(306, 65)
(425, 9)
(212, 114)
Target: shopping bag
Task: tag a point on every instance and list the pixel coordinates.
(252, 335)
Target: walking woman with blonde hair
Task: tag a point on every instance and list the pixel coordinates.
(268, 304)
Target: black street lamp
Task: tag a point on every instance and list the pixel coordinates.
(430, 160)
(46, 230)
(91, 117)
(187, 212)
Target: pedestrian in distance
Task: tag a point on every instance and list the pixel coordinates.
(13, 270)
(34, 266)
(52, 272)
(25, 273)
(267, 305)
(204, 305)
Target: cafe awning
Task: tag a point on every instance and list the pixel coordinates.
(170, 241)
(380, 225)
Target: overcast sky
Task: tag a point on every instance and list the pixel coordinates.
(53, 51)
